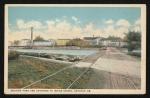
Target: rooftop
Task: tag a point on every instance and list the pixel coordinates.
(25, 39)
(63, 39)
(90, 38)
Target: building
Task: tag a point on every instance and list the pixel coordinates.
(27, 42)
(44, 43)
(93, 41)
(100, 41)
(123, 44)
(62, 42)
(53, 42)
(113, 43)
(24, 42)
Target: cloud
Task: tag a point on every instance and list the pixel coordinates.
(50, 22)
(57, 20)
(75, 19)
(25, 34)
(115, 30)
(18, 35)
(123, 23)
(137, 26)
(120, 31)
(50, 26)
(91, 30)
(77, 31)
(110, 21)
(21, 24)
(138, 22)
(109, 31)
(137, 29)
(61, 28)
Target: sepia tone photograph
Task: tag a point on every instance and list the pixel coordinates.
(75, 49)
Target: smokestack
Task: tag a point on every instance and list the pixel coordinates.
(31, 36)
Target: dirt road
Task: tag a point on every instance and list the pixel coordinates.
(119, 71)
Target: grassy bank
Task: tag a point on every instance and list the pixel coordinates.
(60, 81)
(61, 57)
(64, 79)
(24, 71)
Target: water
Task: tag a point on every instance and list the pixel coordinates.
(135, 51)
(65, 52)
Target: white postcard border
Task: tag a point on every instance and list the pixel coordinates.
(78, 91)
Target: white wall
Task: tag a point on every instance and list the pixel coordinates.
(43, 43)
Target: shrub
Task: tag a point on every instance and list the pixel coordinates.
(133, 40)
(135, 54)
(12, 55)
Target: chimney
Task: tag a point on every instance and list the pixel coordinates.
(31, 36)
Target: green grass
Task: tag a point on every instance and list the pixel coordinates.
(62, 80)
(90, 80)
(12, 55)
(24, 71)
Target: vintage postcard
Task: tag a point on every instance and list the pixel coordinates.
(75, 49)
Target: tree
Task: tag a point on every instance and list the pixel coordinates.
(133, 40)
(38, 38)
(16, 42)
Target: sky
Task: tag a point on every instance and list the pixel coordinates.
(72, 22)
